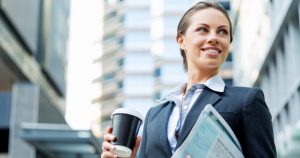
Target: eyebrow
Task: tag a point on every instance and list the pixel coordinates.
(222, 26)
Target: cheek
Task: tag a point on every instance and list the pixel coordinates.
(226, 46)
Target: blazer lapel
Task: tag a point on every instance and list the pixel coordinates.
(206, 97)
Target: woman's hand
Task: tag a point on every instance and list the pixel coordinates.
(107, 146)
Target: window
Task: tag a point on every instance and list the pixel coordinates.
(170, 23)
(137, 38)
(157, 95)
(173, 73)
(137, 18)
(157, 72)
(138, 62)
(181, 5)
(138, 85)
(172, 50)
(137, 3)
(228, 81)
(229, 57)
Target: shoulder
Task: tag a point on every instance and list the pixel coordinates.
(244, 96)
(242, 89)
(250, 97)
(153, 111)
(244, 92)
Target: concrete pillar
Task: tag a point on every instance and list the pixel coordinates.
(24, 108)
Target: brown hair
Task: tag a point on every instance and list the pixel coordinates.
(184, 22)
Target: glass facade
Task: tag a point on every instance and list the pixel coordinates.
(138, 85)
(138, 62)
(137, 40)
(131, 18)
(133, 74)
(55, 39)
(32, 56)
(25, 18)
(172, 73)
(273, 66)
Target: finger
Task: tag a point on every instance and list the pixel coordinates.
(107, 146)
(109, 129)
(109, 137)
(138, 141)
(136, 146)
(107, 154)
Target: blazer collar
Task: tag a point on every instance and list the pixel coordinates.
(207, 97)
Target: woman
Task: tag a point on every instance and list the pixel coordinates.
(204, 35)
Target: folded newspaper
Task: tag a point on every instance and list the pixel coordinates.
(211, 137)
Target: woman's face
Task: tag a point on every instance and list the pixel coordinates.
(206, 41)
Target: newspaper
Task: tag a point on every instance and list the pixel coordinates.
(211, 137)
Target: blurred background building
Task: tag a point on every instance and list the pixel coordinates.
(127, 63)
(141, 61)
(33, 46)
(266, 54)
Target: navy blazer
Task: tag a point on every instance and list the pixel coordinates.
(244, 109)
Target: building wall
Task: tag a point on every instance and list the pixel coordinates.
(267, 56)
(169, 71)
(23, 32)
(25, 17)
(126, 61)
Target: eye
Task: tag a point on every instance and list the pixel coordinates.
(223, 32)
(202, 29)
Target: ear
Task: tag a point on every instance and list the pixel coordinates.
(181, 42)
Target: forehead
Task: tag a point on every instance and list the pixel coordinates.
(209, 16)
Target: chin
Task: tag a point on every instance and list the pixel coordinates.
(212, 65)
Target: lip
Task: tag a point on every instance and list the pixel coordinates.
(214, 48)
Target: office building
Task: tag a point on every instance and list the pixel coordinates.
(33, 44)
(127, 64)
(266, 54)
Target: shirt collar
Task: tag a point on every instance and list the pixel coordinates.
(214, 83)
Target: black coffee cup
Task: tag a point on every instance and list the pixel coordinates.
(126, 124)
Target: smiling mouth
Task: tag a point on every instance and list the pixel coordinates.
(212, 50)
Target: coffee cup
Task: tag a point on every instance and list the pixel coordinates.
(126, 123)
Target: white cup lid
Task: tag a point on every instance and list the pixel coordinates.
(129, 112)
(122, 151)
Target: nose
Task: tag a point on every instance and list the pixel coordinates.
(213, 40)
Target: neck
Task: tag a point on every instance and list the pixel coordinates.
(199, 77)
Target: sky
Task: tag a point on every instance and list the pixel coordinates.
(84, 47)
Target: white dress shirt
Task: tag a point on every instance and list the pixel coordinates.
(215, 83)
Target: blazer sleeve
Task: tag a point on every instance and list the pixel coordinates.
(258, 137)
